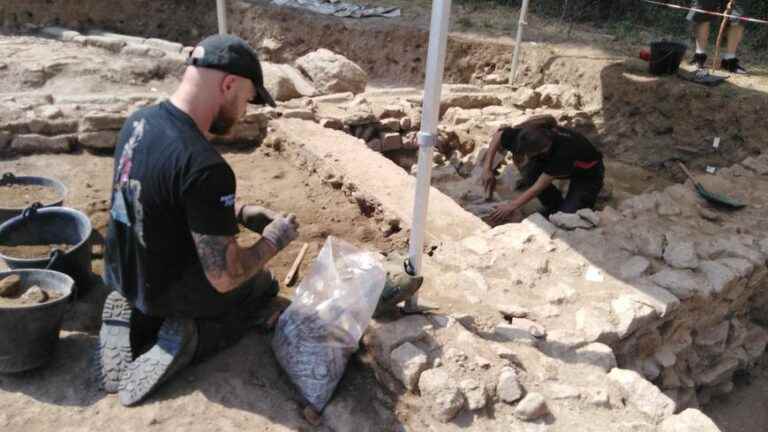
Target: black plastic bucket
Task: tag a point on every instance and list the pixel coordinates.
(55, 225)
(10, 179)
(28, 334)
(666, 57)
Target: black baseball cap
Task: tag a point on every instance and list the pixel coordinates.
(232, 55)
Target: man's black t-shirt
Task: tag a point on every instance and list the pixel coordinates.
(571, 154)
(168, 182)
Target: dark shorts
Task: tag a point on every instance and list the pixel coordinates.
(713, 6)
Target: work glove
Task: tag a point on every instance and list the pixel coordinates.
(281, 231)
(256, 218)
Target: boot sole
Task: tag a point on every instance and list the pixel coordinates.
(114, 350)
(175, 347)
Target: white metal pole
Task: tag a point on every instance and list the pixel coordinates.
(522, 22)
(438, 39)
(221, 12)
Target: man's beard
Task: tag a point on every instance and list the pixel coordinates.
(223, 123)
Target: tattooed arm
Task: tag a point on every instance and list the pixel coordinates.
(226, 264)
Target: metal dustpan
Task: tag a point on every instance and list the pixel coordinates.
(717, 199)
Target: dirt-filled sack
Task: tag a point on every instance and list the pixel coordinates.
(321, 329)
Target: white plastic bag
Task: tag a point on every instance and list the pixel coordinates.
(321, 329)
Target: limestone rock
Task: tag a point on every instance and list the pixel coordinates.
(539, 224)
(52, 127)
(595, 324)
(10, 285)
(597, 354)
(390, 124)
(649, 242)
(719, 373)
(681, 254)
(98, 121)
(524, 97)
(475, 394)
(569, 221)
(690, 420)
(104, 140)
(140, 50)
(383, 337)
(535, 329)
(742, 267)
(721, 279)
(532, 407)
(756, 341)
(407, 363)
(510, 310)
(333, 73)
(468, 101)
(590, 216)
(391, 141)
(299, 113)
(441, 394)
(457, 116)
(34, 295)
(563, 392)
(510, 333)
(107, 43)
(284, 82)
(634, 267)
(31, 143)
(559, 96)
(60, 33)
(759, 166)
(472, 281)
(713, 336)
(641, 394)
(508, 387)
(631, 314)
(389, 111)
(332, 123)
(165, 45)
(682, 283)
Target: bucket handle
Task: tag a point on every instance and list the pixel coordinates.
(55, 257)
(31, 211)
(7, 178)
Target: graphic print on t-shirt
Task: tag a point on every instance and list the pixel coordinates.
(125, 199)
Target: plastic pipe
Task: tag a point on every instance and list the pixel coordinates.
(221, 12)
(433, 85)
(519, 39)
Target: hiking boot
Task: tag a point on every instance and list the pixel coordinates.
(399, 286)
(174, 350)
(700, 60)
(733, 66)
(114, 351)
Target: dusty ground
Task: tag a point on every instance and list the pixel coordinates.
(746, 409)
(239, 389)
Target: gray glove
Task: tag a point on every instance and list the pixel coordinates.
(282, 231)
(256, 218)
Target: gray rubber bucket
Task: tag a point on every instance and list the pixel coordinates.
(54, 225)
(28, 334)
(10, 179)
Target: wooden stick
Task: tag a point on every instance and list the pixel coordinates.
(715, 60)
(296, 264)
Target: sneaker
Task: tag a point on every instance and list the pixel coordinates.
(700, 60)
(114, 351)
(174, 350)
(733, 66)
